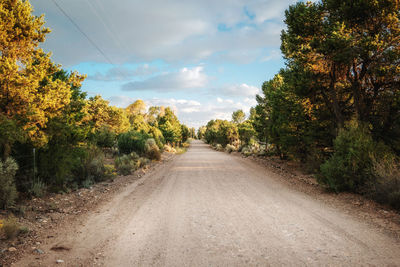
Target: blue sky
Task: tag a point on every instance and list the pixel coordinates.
(203, 58)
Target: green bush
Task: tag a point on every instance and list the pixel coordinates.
(350, 166)
(110, 171)
(152, 150)
(60, 165)
(127, 163)
(132, 141)
(8, 192)
(91, 166)
(11, 227)
(157, 135)
(38, 188)
(143, 162)
(104, 137)
(385, 188)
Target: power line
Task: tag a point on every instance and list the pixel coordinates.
(87, 37)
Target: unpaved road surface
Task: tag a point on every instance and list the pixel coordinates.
(207, 208)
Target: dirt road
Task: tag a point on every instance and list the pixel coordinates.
(207, 208)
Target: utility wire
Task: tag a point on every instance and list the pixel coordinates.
(84, 34)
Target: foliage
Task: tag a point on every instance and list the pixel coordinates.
(170, 126)
(185, 133)
(219, 147)
(91, 166)
(350, 167)
(11, 227)
(230, 148)
(8, 192)
(151, 150)
(30, 95)
(347, 53)
(132, 141)
(221, 132)
(38, 188)
(104, 137)
(246, 131)
(385, 188)
(125, 164)
(100, 114)
(201, 132)
(157, 135)
(238, 116)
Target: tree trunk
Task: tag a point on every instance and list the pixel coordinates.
(6, 150)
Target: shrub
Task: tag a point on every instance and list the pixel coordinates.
(11, 227)
(8, 192)
(87, 183)
(127, 163)
(230, 148)
(104, 137)
(143, 162)
(314, 159)
(61, 165)
(92, 166)
(132, 141)
(152, 150)
(385, 188)
(168, 148)
(350, 166)
(219, 147)
(110, 171)
(38, 188)
(180, 150)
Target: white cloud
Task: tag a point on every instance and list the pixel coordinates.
(275, 54)
(185, 78)
(123, 73)
(239, 90)
(174, 31)
(121, 101)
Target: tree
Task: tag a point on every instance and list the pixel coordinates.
(348, 53)
(192, 133)
(238, 116)
(137, 107)
(185, 133)
(221, 132)
(170, 126)
(30, 95)
(246, 131)
(100, 114)
(201, 132)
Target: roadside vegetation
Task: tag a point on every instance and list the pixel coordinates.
(53, 138)
(335, 107)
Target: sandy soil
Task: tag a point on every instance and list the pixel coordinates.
(207, 208)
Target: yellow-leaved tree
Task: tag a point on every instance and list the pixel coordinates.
(100, 114)
(29, 94)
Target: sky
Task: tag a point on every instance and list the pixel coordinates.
(203, 58)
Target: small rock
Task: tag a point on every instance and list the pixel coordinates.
(59, 261)
(12, 249)
(3, 250)
(38, 251)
